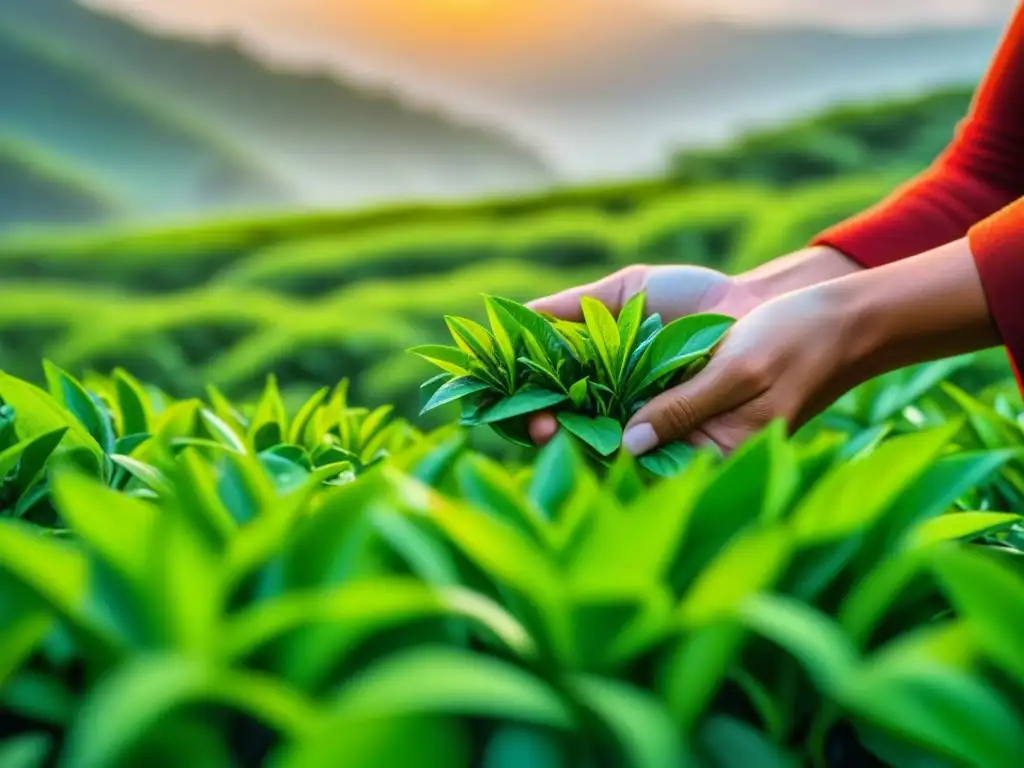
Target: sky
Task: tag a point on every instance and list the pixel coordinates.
(429, 45)
(522, 63)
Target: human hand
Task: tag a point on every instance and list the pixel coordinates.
(677, 291)
(787, 359)
(794, 355)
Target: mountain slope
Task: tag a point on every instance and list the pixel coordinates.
(38, 189)
(118, 136)
(673, 84)
(343, 144)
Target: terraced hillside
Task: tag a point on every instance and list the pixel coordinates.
(317, 297)
(36, 186)
(181, 126)
(119, 137)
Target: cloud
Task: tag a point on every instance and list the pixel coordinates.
(847, 14)
(867, 14)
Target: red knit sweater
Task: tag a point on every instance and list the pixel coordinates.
(974, 188)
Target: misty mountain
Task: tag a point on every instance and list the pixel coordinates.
(118, 138)
(704, 83)
(154, 116)
(34, 187)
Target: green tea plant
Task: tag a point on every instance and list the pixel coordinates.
(594, 375)
(116, 429)
(797, 603)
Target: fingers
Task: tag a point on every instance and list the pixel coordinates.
(542, 427)
(612, 291)
(725, 385)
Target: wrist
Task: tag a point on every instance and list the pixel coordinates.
(919, 309)
(796, 271)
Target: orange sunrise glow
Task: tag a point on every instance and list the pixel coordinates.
(456, 28)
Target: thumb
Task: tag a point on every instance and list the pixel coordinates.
(612, 291)
(677, 412)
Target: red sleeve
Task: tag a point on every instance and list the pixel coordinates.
(998, 247)
(969, 189)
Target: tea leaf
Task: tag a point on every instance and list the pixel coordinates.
(936, 706)
(529, 399)
(578, 392)
(26, 621)
(991, 597)
(267, 427)
(364, 608)
(852, 496)
(494, 545)
(538, 363)
(638, 545)
(604, 333)
(431, 385)
(133, 404)
(960, 525)
(454, 682)
(117, 528)
(474, 340)
(82, 405)
(630, 318)
(300, 424)
(697, 666)
(812, 638)
(750, 563)
(135, 697)
(37, 413)
(640, 724)
(602, 433)
(505, 331)
(223, 433)
(535, 326)
(555, 473)
(732, 743)
(876, 594)
(29, 457)
(680, 342)
(453, 390)
(669, 460)
(143, 472)
(484, 484)
(449, 359)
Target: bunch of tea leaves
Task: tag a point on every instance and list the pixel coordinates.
(593, 375)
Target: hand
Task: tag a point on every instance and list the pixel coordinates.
(789, 358)
(796, 354)
(672, 292)
(676, 291)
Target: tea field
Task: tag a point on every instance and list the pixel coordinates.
(243, 584)
(212, 553)
(318, 297)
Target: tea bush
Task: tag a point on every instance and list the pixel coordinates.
(204, 582)
(325, 296)
(228, 305)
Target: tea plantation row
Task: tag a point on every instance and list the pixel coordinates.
(322, 296)
(198, 582)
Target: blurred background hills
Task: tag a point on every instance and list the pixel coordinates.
(203, 200)
(109, 117)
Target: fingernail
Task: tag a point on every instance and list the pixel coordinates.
(639, 439)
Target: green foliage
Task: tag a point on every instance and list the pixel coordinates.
(323, 296)
(594, 375)
(291, 580)
(253, 584)
(117, 430)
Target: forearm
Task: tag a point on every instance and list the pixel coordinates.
(924, 308)
(796, 271)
